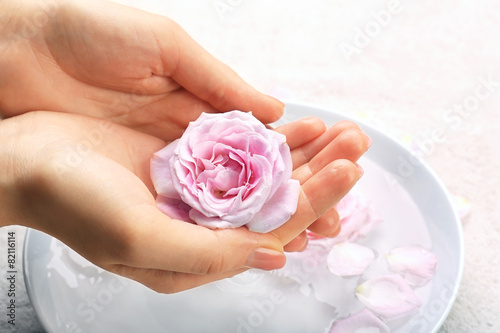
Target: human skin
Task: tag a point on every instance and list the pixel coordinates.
(114, 62)
(86, 182)
(98, 62)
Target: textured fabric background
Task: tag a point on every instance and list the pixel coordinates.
(428, 67)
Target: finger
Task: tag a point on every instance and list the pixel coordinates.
(168, 282)
(157, 242)
(297, 244)
(305, 153)
(165, 116)
(209, 79)
(327, 225)
(316, 198)
(349, 144)
(161, 56)
(302, 131)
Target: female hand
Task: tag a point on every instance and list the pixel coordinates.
(86, 181)
(324, 161)
(114, 62)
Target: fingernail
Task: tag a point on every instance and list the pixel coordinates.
(266, 259)
(279, 102)
(304, 246)
(370, 141)
(361, 170)
(335, 232)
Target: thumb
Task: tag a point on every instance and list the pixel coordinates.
(164, 251)
(209, 79)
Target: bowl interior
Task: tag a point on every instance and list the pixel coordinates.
(69, 293)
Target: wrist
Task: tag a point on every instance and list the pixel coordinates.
(10, 41)
(13, 167)
(22, 25)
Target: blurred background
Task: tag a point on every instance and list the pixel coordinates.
(425, 72)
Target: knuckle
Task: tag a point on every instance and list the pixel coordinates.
(216, 97)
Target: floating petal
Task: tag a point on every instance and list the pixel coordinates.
(388, 296)
(358, 217)
(363, 321)
(349, 259)
(415, 263)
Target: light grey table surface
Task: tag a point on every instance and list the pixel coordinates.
(430, 67)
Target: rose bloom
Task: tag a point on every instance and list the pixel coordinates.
(226, 171)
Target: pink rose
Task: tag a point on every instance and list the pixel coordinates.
(226, 171)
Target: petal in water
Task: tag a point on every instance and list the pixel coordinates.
(362, 322)
(415, 263)
(349, 259)
(388, 296)
(358, 218)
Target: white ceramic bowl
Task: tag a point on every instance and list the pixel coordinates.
(70, 294)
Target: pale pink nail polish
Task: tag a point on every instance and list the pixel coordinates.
(361, 170)
(370, 142)
(266, 259)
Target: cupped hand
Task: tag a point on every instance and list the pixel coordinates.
(86, 181)
(114, 62)
(324, 161)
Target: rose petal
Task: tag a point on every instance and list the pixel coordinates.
(415, 263)
(309, 270)
(347, 205)
(324, 287)
(282, 168)
(238, 140)
(269, 217)
(221, 179)
(226, 166)
(349, 259)
(388, 296)
(225, 180)
(261, 170)
(217, 222)
(173, 208)
(204, 150)
(363, 321)
(306, 266)
(261, 145)
(225, 128)
(358, 218)
(160, 171)
(211, 204)
(184, 184)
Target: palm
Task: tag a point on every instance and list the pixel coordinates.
(121, 67)
(140, 70)
(101, 201)
(137, 69)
